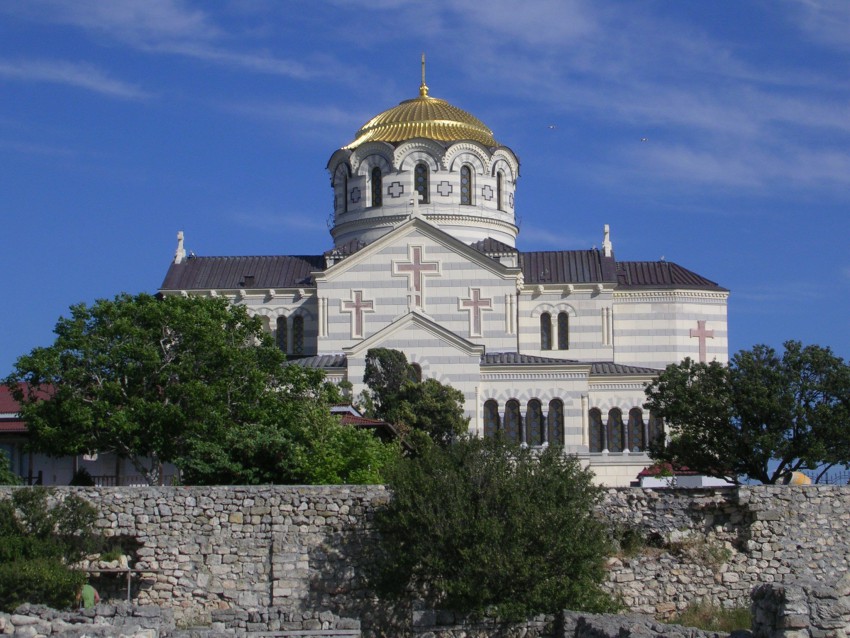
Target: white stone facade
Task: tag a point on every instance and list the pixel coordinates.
(540, 343)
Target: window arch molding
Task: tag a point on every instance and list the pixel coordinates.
(366, 157)
(477, 162)
(553, 310)
(501, 161)
(409, 154)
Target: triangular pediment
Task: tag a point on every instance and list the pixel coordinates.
(421, 323)
(422, 227)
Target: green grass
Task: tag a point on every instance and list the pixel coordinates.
(704, 615)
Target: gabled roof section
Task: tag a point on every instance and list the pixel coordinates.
(427, 325)
(231, 273)
(429, 230)
(567, 267)
(660, 274)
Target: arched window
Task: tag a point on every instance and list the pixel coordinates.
(377, 187)
(513, 421)
(616, 431)
(420, 177)
(345, 193)
(534, 422)
(416, 373)
(492, 423)
(465, 185)
(655, 434)
(500, 183)
(637, 431)
(545, 331)
(282, 335)
(298, 335)
(597, 431)
(563, 331)
(555, 422)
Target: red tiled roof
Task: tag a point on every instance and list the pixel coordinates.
(8, 406)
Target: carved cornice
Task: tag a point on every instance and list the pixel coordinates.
(629, 296)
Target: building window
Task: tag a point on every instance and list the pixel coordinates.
(282, 335)
(420, 176)
(377, 187)
(616, 431)
(534, 422)
(345, 193)
(513, 421)
(465, 186)
(637, 431)
(298, 335)
(491, 417)
(597, 432)
(500, 183)
(655, 433)
(563, 331)
(545, 331)
(555, 422)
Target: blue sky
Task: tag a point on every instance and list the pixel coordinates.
(124, 121)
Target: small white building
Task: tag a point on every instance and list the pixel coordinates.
(551, 347)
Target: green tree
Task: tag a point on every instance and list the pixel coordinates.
(397, 396)
(762, 416)
(482, 526)
(194, 381)
(7, 476)
(38, 542)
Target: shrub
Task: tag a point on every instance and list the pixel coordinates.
(486, 527)
(37, 542)
(40, 580)
(704, 615)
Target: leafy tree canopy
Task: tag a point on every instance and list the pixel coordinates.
(397, 396)
(483, 526)
(762, 416)
(194, 381)
(7, 476)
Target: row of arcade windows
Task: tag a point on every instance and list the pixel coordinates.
(617, 436)
(563, 331)
(533, 428)
(296, 346)
(421, 177)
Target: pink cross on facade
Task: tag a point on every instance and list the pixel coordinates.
(415, 270)
(357, 307)
(702, 334)
(475, 304)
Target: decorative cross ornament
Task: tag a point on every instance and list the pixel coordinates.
(474, 305)
(702, 334)
(415, 270)
(357, 307)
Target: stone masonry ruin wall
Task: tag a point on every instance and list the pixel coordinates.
(302, 549)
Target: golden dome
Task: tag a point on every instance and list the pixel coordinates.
(427, 117)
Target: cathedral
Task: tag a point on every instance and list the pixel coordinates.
(548, 347)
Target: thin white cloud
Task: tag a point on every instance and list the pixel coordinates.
(84, 76)
(824, 21)
(279, 222)
(35, 149)
(530, 235)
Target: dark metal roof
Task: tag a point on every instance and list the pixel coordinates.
(606, 368)
(660, 274)
(230, 273)
(490, 247)
(515, 358)
(567, 267)
(323, 361)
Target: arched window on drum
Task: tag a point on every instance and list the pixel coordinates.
(555, 422)
(377, 187)
(492, 423)
(616, 431)
(513, 421)
(420, 182)
(534, 422)
(298, 335)
(466, 185)
(597, 430)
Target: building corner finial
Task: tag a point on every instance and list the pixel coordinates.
(607, 247)
(180, 253)
(423, 88)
